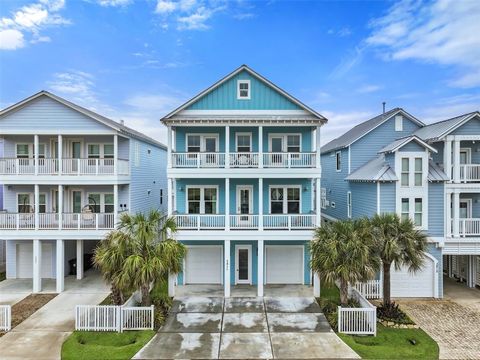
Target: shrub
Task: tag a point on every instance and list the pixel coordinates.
(392, 312)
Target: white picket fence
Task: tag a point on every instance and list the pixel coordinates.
(371, 289)
(113, 318)
(5, 317)
(358, 321)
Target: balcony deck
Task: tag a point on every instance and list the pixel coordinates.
(53, 221)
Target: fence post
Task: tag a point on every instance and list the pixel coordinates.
(339, 326)
(152, 307)
(119, 319)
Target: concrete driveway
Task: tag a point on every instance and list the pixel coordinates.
(12, 291)
(240, 328)
(41, 336)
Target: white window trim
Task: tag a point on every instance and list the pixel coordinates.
(249, 134)
(70, 150)
(202, 198)
(101, 149)
(102, 199)
(70, 199)
(249, 248)
(202, 140)
(30, 199)
(469, 203)
(323, 198)
(285, 198)
(284, 141)
(349, 204)
(398, 123)
(31, 149)
(336, 161)
(468, 151)
(249, 90)
(237, 199)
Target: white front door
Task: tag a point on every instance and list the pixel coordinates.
(465, 209)
(244, 200)
(276, 147)
(243, 264)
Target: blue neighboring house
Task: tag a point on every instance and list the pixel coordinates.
(429, 173)
(67, 174)
(243, 166)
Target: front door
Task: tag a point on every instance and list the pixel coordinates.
(244, 202)
(276, 147)
(76, 202)
(243, 264)
(465, 209)
(211, 149)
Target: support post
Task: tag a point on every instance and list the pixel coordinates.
(169, 197)
(60, 265)
(456, 162)
(318, 204)
(60, 207)
(260, 147)
(317, 145)
(169, 147)
(227, 146)
(226, 260)
(450, 266)
(260, 277)
(115, 205)
(260, 203)
(37, 266)
(35, 153)
(447, 158)
(171, 284)
(471, 270)
(115, 154)
(448, 214)
(36, 205)
(316, 285)
(79, 259)
(60, 154)
(456, 213)
(227, 204)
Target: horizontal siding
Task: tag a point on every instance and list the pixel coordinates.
(224, 97)
(471, 127)
(412, 146)
(364, 199)
(387, 197)
(436, 200)
(334, 183)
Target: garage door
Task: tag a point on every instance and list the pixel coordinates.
(25, 261)
(419, 284)
(284, 264)
(203, 265)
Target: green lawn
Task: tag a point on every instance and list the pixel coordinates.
(89, 345)
(389, 343)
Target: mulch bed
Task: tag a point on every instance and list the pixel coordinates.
(25, 308)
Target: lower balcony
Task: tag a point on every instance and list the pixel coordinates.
(53, 221)
(468, 227)
(246, 222)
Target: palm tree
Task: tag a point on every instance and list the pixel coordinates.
(397, 241)
(342, 250)
(153, 254)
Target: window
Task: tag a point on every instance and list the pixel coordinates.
(417, 218)
(202, 200)
(244, 143)
(23, 151)
(193, 143)
(100, 202)
(279, 204)
(41, 151)
(293, 143)
(405, 208)
(24, 203)
(418, 172)
(243, 89)
(108, 151)
(161, 196)
(109, 206)
(399, 123)
(93, 151)
(94, 200)
(323, 198)
(349, 205)
(338, 159)
(42, 203)
(405, 172)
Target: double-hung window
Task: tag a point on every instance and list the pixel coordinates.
(405, 176)
(108, 204)
(281, 204)
(338, 160)
(101, 202)
(108, 151)
(193, 143)
(202, 200)
(24, 204)
(418, 180)
(23, 151)
(405, 208)
(93, 151)
(412, 208)
(243, 89)
(418, 212)
(293, 143)
(244, 143)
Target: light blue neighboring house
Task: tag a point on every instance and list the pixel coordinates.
(429, 173)
(68, 173)
(244, 178)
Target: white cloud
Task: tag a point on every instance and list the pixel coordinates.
(197, 20)
(76, 85)
(11, 39)
(165, 7)
(444, 32)
(30, 20)
(369, 88)
(244, 16)
(340, 122)
(114, 3)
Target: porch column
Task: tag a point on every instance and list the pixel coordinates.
(317, 145)
(456, 213)
(37, 266)
(456, 161)
(115, 205)
(60, 207)
(36, 202)
(227, 204)
(260, 265)
(115, 154)
(60, 265)
(450, 266)
(260, 203)
(260, 147)
(35, 152)
(448, 214)
(171, 284)
(169, 197)
(79, 259)
(316, 285)
(447, 158)
(472, 270)
(227, 146)
(169, 147)
(60, 154)
(318, 204)
(226, 260)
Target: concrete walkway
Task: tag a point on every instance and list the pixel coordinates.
(454, 322)
(41, 336)
(246, 328)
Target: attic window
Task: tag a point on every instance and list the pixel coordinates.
(243, 89)
(399, 123)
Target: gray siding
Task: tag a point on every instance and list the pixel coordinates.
(471, 127)
(436, 200)
(412, 146)
(364, 199)
(387, 197)
(334, 183)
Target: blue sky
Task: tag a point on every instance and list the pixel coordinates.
(137, 60)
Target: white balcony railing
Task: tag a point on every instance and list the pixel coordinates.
(470, 172)
(469, 227)
(246, 222)
(50, 166)
(51, 221)
(244, 160)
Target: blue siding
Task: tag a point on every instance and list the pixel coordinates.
(181, 136)
(224, 97)
(181, 198)
(471, 127)
(364, 199)
(335, 185)
(306, 196)
(367, 147)
(387, 197)
(438, 156)
(412, 146)
(390, 160)
(436, 200)
(305, 132)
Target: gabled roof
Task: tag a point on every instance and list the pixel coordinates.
(364, 128)
(397, 144)
(435, 173)
(439, 129)
(93, 115)
(375, 170)
(259, 77)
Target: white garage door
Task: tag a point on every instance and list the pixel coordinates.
(25, 261)
(419, 284)
(203, 265)
(284, 264)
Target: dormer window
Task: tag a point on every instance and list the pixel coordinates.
(399, 123)
(243, 89)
